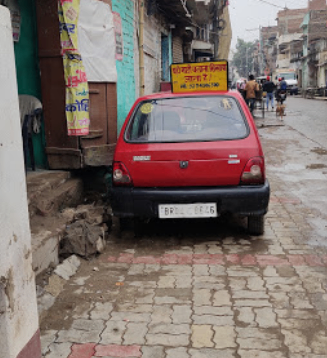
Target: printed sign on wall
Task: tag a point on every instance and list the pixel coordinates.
(77, 91)
(118, 36)
(199, 77)
(15, 15)
(15, 23)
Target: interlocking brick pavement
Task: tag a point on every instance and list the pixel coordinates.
(201, 290)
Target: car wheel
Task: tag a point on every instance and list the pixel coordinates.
(256, 224)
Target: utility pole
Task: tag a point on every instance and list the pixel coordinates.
(247, 62)
(215, 28)
(261, 61)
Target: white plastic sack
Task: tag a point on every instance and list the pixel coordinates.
(96, 41)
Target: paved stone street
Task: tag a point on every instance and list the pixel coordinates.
(206, 289)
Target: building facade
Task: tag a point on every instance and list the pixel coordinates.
(289, 30)
(314, 61)
(172, 31)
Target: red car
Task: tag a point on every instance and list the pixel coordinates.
(192, 155)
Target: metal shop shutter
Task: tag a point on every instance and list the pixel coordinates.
(177, 49)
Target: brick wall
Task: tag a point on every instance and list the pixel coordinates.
(318, 25)
(125, 68)
(289, 21)
(317, 4)
(268, 32)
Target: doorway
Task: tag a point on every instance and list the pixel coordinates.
(164, 58)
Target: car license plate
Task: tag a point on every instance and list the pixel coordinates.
(180, 211)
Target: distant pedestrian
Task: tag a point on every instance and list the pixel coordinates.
(269, 87)
(283, 84)
(251, 88)
(281, 93)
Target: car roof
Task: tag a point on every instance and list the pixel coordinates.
(169, 95)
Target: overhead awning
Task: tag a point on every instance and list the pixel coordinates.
(202, 46)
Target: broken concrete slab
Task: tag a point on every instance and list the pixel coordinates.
(44, 250)
(68, 268)
(55, 285)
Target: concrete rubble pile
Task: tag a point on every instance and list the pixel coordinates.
(84, 236)
(86, 231)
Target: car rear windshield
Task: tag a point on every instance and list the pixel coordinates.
(186, 119)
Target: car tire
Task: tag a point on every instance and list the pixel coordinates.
(256, 225)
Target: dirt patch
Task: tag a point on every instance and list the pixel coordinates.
(319, 151)
(316, 166)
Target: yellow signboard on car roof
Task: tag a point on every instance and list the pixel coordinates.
(199, 77)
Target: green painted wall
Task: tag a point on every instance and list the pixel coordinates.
(125, 68)
(27, 66)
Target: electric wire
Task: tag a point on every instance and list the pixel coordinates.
(279, 6)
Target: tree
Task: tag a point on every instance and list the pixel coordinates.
(245, 57)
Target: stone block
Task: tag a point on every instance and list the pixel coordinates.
(176, 352)
(168, 340)
(211, 353)
(202, 336)
(181, 314)
(222, 298)
(173, 329)
(135, 333)
(153, 352)
(113, 333)
(224, 337)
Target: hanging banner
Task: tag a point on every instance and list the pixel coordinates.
(199, 77)
(77, 90)
(96, 41)
(118, 36)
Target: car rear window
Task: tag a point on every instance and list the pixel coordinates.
(185, 119)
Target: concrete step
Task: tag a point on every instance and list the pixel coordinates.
(67, 194)
(41, 181)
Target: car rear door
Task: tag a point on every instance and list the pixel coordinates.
(188, 164)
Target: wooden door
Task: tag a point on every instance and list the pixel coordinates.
(63, 151)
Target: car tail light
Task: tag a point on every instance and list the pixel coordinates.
(120, 175)
(254, 171)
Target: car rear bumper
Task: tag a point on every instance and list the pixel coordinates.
(144, 202)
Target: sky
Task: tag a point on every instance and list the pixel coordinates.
(250, 14)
